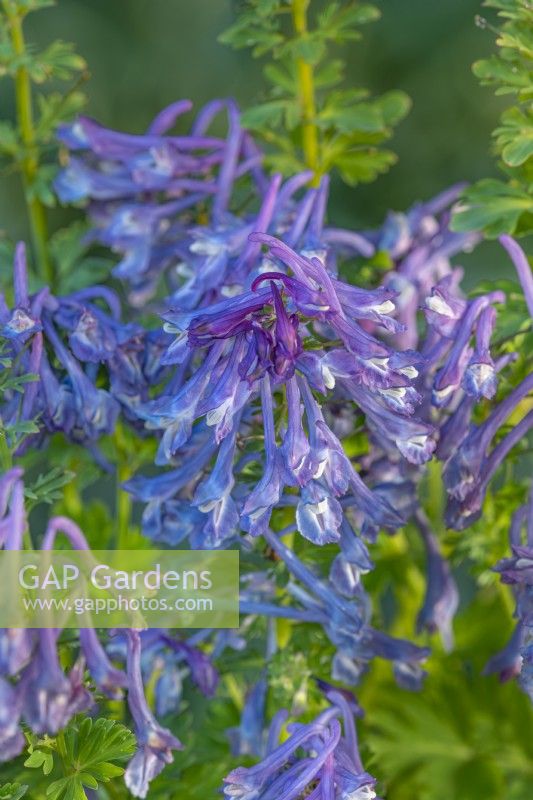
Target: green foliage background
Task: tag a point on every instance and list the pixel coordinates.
(143, 54)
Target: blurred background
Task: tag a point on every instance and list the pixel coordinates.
(143, 54)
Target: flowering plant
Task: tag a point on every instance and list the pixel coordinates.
(249, 375)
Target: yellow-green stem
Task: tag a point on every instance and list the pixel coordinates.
(123, 499)
(6, 458)
(29, 164)
(306, 91)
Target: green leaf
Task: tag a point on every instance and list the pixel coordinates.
(365, 117)
(310, 48)
(59, 60)
(25, 427)
(510, 71)
(280, 77)
(12, 791)
(39, 759)
(338, 22)
(329, 74)
(55, 108)
(270, 113)
(74, 268)
(515, 136)
(15, 383)
(47, 488)
(41, 187)
(91, 748)
(394, 105)
(508, 79)
(492, 206)
(362, 166)
(9, 142)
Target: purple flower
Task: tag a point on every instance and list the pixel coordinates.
(480, 378)
(442, 598)
(318, 759)
(248, 738)
(508, 662)
(346, 623)
(141, 185)
(463, 512)
(318, 514)
(462, 469)
(12, 740)
(16, 648)
(200, 665)
(523, 268)
(266, 494)
(516, 657)
(110, 680)
(155, 744)
(450, 376)
(50, 698)
(12, 511)
(169, 687)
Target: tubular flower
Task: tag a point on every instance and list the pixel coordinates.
(62, 349)
(442, 598)
(252, 347)
(12, 741)
(517, 658)
(155, 744)
(343, 609)
(318, 759)
(140, 187)
(267, 362)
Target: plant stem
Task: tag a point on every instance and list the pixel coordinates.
(123, 499)
(6, 458)
(29, 163)
(306, 91)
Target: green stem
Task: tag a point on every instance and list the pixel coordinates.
(306, 92)
(29, 164)
(6, 458)
(123, 499)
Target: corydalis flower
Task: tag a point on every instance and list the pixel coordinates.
(141, 185)
(523, 268)
(62, 349)
(346, 622)
(155, 744)
(517, 571)
(319, 759)
(50, 698)
(12, 740)
(249, 737)
(442, 598)
(475, 370)
(254, 343)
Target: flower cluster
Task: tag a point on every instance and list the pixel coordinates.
(319, 759)
(269, 368)
(64, 343)
(35, 689)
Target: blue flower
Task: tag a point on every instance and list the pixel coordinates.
(110, 680)
(155, 744)
(523, 268)
(318, 759)
(49, 697)
(249, 737)
(442, 597)
(450, 376)
(12, 740)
